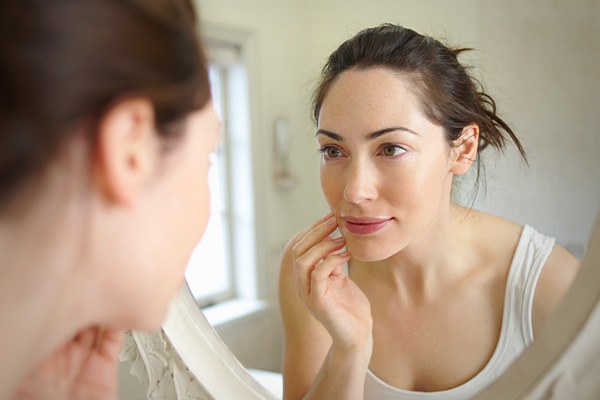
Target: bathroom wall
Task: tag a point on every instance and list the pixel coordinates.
(542, 60)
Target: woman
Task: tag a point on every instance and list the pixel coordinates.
(106, 127)
(418, 297)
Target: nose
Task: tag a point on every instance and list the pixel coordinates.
(361, 183)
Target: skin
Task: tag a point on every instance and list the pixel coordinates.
(112, 228)
(422, 305)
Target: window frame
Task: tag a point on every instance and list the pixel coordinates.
(246, 282)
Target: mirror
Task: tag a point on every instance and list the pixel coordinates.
(531, 57)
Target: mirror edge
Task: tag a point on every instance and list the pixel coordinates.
(206, 356)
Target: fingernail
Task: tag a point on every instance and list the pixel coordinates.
(344, 253)
(331, 221)
(339, 239)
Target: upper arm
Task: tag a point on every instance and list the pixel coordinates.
(555, 279)
(306, 342)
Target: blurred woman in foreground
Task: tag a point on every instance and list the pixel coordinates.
(106, 127)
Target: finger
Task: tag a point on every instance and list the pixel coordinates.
(99, 337)
(300, 245)
(319, 251)
(338, 269)
(87, 337)
(321, 230)
(305, 264)
(317, 222)
(319, 278)
(112, 341)
(329, 265)
(303, 232)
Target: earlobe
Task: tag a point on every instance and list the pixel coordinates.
(465, 150)
(125, 150)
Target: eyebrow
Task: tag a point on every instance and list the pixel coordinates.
(370, 136)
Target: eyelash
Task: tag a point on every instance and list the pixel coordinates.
(388, 145)
(324, 149)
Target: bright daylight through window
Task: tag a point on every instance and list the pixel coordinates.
(226, 250)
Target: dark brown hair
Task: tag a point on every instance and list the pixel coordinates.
(63, 62)
(449, 96)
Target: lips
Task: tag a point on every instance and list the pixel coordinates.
(365, 226)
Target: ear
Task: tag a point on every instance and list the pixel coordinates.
(125, 151)
(465, 150)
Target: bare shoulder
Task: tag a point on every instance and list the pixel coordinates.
(292, 307)
(495, 237)
(287, 257)
(306, 342)
(556, 278)
(288, 293)
(297, 319)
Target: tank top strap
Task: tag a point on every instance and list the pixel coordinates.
(530, 256)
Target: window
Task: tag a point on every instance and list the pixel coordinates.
(223, 264)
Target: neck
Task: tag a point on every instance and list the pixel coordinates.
(39, 275)
(433, 260)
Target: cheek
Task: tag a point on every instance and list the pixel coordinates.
(203, 206)
(187, 201)
(332, 187)
(199, 202)
(419, 191)
(433, 180)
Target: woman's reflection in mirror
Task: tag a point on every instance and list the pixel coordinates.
(419, 297)
(106, 126)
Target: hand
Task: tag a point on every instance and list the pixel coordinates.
(333, 298)
(84, 368)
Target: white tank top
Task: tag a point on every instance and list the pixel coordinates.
(516, 332)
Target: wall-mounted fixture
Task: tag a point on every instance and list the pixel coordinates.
(282, 140)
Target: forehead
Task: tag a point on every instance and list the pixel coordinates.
(370, 99)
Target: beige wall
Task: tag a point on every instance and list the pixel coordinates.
(539, 59)
(543, 63)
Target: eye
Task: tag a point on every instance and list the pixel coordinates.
(330, 151)
(392, 150)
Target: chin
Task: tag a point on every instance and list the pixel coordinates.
(152, 321)
(145, 316)
(367, 253)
